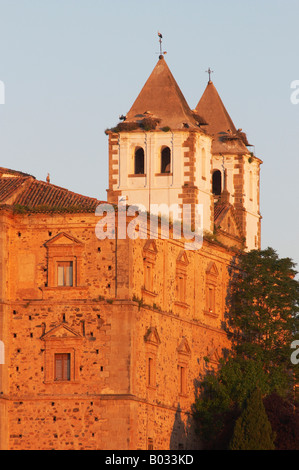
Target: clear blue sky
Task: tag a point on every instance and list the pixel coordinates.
(71, 67)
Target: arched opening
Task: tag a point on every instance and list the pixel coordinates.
(165, 160)
(139, 161)
(216, 183)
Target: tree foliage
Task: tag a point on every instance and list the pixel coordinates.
(223, 395)
(284, 418)
(262, 319)
(253, 430)
(261, 322)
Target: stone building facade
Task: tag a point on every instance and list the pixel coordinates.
(106, 338)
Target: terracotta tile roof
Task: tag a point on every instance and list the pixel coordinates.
(8, 187)
(6, 172)
(211, 107)
(162, 99)
(47, 197)
(227, 139)
(25, 193)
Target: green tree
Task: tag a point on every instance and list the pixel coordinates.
(253, 429)
(223, 395)
(262, 323)
(283, 415)
(262, 318)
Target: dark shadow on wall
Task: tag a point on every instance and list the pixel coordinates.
(183, 434)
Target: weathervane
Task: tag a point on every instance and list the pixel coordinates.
(160, 41)
(209, 71)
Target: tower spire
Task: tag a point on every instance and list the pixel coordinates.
(162, 98)
(160, 42)
(209, 71)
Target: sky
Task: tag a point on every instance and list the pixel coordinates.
(70, 68)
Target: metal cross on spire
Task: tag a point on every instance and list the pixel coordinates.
(209, 71)
(160, 41)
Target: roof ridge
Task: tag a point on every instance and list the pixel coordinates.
(24, 193)
(61, 188)
(14, 173)
(41, 196)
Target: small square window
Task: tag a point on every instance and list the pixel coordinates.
(62, 367)
(65, 273)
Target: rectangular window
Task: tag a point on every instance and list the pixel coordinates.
(65, 273)
(150, 444)
(181, 288)
(62, 367)
(148, 278)
(151, 372)
(211, 299)
(182, 380)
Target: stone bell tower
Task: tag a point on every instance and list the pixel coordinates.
(164, 153)
(160, 153)
(235, 172)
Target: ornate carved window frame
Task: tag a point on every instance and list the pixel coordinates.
(152, 341)
(184, 354)
(212, 275)
(149, 261)
(181, 276)
(63, 248)
(62, 340)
